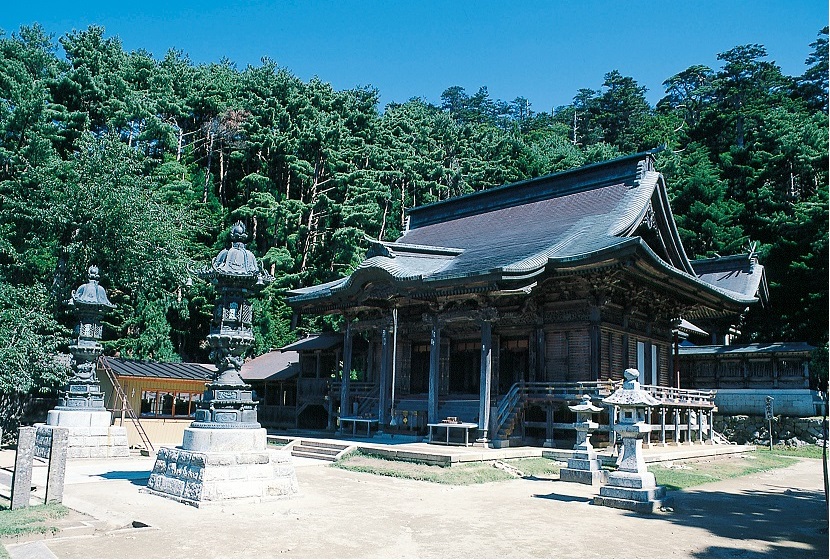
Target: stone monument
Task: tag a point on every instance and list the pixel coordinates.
(224, 452)
(583, 466)
(631, 486)
(81, 403)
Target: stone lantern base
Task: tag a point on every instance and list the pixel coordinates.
(632, 491)
(215, 465)
(584, 468)
(91, 435)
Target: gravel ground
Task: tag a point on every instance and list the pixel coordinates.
(342, 514)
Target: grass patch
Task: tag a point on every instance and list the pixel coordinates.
(694, 473)
(808, 451)
(459, 474)
(34, 519)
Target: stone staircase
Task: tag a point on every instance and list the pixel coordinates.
(323, 450)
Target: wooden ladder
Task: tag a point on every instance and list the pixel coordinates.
(126, 408)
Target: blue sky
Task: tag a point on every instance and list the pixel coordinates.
(542, 50)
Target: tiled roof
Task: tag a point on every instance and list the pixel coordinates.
(160, 370)
(324, 341)
(737, 273)
(515, 232)
(752, 348)
(272, 366)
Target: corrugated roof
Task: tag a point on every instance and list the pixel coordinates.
(160, 370)
(272, 366)
(752, 348)
(323, 341)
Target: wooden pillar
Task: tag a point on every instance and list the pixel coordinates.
(383, 391)
(318, 366)
(434, 371)
(689, 426)
(711, 414)
(486, 380)
(700, 425)
(549, 441)
(677, 426)
(345, 387)
(540, 355)
(648, 420)
(663, 425)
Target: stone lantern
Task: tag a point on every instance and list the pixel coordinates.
(81, 403)
(583, 466)
(228, 401)
(224, 452)
(631, 486)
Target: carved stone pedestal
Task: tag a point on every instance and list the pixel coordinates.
(213, 466)
(90, 433)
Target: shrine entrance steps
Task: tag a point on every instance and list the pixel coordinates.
(323, 450)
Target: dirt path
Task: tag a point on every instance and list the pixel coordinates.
(341, 514)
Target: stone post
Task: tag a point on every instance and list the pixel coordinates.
(57, 465)
(23, 463)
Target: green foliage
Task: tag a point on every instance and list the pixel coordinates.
(139, 165)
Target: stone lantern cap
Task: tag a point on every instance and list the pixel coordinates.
(630, 394)
(91, 293)
(236, 262)
(585, 406)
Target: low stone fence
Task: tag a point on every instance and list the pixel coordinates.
(754, 429)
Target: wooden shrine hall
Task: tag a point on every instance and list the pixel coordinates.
(500, 307)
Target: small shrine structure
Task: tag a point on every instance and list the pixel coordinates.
(504, 306)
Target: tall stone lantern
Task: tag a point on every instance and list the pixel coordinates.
(228, 401)
(224, 453)
(81, 403)
(631, 486)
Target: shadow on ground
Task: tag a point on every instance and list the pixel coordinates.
(794, 521)
(139, 478)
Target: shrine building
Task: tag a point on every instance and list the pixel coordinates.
(498, 306)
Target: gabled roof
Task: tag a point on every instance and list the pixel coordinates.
(160, 370)
(737, 273)
(590, 217)
(271, 366)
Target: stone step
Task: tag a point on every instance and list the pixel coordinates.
(312, 455)
(315, 449)
(322, 444)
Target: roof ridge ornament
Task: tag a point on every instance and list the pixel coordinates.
(378, 248)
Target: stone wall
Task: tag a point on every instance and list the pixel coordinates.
(790, 402)
(786, 430)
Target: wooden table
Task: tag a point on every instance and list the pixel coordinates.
(356, 420)
(466, 426)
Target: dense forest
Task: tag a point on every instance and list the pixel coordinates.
(139, 164)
